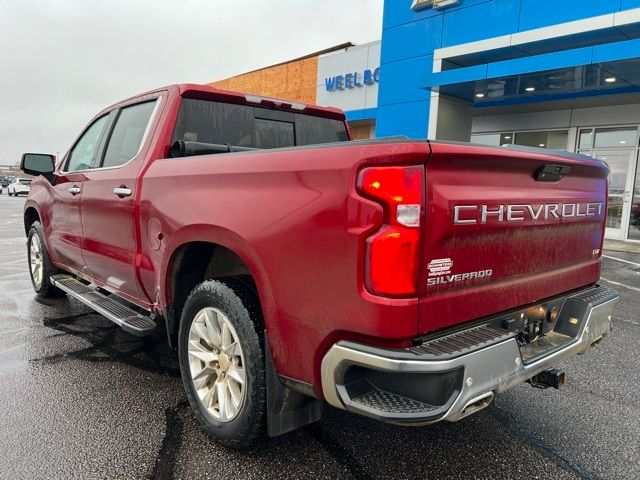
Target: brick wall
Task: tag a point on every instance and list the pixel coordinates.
(362, 130)
(294, 80)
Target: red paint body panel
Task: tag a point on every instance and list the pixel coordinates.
(297, 222)
(64, 228)
(295, 218)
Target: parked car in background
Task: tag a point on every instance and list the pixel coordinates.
(4, 182)
(19, 186)
(635, 214)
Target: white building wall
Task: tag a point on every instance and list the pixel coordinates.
(352, 60)
(549, 120)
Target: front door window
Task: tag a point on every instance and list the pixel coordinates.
(83, 152)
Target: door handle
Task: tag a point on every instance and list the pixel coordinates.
(122, 191)
(626, 196)
(74, 190)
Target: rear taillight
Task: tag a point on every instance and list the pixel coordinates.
(392, 252)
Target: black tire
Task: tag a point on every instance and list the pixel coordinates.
(239, 305)
(46, 288)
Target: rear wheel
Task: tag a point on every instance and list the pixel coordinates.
(40, 267)
(222, 363)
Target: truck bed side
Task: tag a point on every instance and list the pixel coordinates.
(295, 219)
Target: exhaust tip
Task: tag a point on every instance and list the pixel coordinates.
(476, 404)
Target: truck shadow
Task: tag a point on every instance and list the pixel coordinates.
(109, 344)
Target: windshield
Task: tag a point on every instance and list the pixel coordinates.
(25, 181)
(256, 127)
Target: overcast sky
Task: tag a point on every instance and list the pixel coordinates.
(61, 61)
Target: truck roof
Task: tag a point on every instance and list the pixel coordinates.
(193, 90)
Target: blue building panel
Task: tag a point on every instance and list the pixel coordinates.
(459, 75)
(538, 63)
(478, 22)
(544, 13)
(616, 51)
(627, 49)
(409, 119)
(398, 12)
(362, 114)
(410, 37)
(404, 81)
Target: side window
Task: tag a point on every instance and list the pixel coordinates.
(213, 122)
(127, 134)
(81, 155)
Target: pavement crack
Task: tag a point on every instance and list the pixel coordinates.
(339, 453)
(520, 431)
(171, 443)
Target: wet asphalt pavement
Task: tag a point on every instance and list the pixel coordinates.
(79, 398)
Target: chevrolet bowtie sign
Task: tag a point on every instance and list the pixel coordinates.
(420, 4)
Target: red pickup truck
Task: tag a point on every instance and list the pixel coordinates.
(408, 281)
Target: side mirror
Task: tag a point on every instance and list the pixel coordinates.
(38, 164)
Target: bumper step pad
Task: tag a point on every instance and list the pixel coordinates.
(383, 401)
(460, 342)
(126, 318)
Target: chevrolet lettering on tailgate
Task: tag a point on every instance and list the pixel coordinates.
(474, 214)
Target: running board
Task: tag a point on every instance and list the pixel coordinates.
(126, 318)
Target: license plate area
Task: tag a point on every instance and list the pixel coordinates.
(558, 324)
(543, 345)
(543, 328)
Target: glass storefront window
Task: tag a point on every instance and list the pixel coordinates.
(618, 163)
(506, 139)
(491, 139)
(634, 220)
(615, 137)
(586, 139)
(554, 140)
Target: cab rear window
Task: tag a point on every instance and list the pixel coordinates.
(255, 127)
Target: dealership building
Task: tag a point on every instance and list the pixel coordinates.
(561, 75)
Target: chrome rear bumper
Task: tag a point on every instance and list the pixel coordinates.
(405, 387)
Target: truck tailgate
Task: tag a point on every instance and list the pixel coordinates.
(498, 236)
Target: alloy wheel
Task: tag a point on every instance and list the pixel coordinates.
(36, 262)
(216, 364)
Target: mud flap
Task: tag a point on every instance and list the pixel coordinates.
(287, 409)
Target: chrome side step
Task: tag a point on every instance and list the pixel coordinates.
(126, 318)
